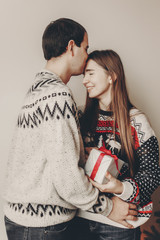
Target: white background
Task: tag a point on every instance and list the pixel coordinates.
(130, 27)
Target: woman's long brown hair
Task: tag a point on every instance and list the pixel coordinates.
(120, 103)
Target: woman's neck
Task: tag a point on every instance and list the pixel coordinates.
(105, 100)
(104, 104)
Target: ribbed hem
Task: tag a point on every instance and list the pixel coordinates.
(105, 220)
(37, 220)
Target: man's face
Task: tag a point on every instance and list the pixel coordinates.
(80, 56)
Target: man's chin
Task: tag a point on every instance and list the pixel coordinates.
(78, 72)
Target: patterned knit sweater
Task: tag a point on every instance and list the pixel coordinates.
(147, 178)
(45, 183)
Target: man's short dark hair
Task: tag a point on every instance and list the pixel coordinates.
(57, 35)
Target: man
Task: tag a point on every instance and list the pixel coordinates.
(45, 179)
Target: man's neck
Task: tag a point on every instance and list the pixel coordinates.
(60, 68)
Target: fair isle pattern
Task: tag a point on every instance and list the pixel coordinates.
(105, 118)
(34, 115)
(137, 127)
(134, 198)
(44, 80)
(146, 210)
(39, 115)
(101, 127)
(109, 125)
(47, 97)
(39, 209)
(100, 205)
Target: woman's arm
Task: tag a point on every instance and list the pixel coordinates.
(147, 178)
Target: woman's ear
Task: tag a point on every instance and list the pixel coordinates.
(114, 76)
(70, 46)
(110, 80)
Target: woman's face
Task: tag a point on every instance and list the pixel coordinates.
(96, 80)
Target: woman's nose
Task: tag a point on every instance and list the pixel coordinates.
(85, 81)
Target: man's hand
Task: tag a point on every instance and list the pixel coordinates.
(123, 211)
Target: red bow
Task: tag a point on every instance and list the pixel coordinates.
(99, 160)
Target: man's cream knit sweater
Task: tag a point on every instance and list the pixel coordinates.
(45, 183)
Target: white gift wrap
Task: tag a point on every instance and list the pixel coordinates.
(107, 164)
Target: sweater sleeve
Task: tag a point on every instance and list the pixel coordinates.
(147, 179)
(64, 151)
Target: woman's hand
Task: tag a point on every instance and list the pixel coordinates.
(112, 186)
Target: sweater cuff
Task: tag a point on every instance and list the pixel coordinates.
(127, 191)
(103, 206)
(108, 208)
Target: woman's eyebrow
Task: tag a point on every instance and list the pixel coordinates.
(89, 70)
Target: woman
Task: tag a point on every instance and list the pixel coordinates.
(110, 118)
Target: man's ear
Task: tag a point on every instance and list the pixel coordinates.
(70, 46)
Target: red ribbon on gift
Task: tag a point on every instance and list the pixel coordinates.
(99, 160)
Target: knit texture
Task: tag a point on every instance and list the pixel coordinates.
(45, 183)
(147, 178)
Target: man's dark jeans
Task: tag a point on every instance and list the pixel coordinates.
(55, 232)
(83, 229)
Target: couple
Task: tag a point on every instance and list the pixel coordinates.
(45, 180)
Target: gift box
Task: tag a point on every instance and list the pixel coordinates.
(100, 161)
